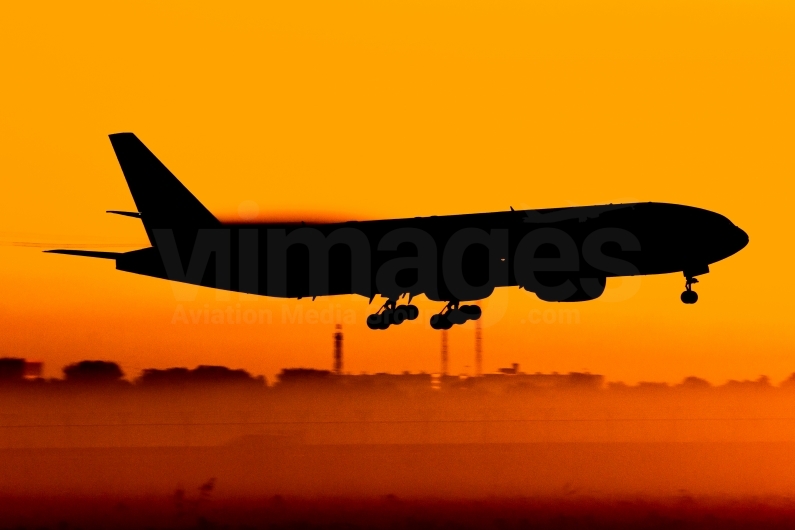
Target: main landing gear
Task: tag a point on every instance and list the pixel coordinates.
(390, 313)
(454, 314)
(689, 296)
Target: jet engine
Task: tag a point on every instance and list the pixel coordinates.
(586, 289)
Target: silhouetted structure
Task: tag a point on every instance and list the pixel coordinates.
(444, 352)
(504, 381)
(512, 378)
(338, 350)
(93, 372)
(406, 382)
(788, 382)
(168, 376)
(302, 375)
(12, 369)
(201, 375)
(33, 369)
(478, 349)
(695, 382)
(513, 370)
(221, 374)
(16, 369)
(763, 383)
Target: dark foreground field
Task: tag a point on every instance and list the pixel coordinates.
(449, 471)
(397, 451)
(275, 485)
(393, 512)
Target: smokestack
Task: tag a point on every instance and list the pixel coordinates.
(478, 349)
(444, 352)
(338, 350)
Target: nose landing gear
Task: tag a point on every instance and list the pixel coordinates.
(689, 296)
(391, 313)
(454, 314)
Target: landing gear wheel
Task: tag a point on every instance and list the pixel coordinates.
(453, 314)
(440, 322)
(390, 313)
(456, 316)
(399, 315)
(472, 312)
(376, 321)
(689, 297)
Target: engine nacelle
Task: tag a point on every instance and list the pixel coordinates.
(587, 289)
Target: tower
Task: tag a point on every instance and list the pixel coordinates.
(444, 352)
(478, 349)
(338, 350)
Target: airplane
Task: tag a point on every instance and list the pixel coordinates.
(560, 254)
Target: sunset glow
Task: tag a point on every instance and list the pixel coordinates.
(482, 107)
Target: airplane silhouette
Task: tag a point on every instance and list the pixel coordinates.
(560, 254)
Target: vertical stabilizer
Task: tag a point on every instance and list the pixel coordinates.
(162, 200)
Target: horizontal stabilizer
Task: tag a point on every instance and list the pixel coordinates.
(137, 215)
(86, 253)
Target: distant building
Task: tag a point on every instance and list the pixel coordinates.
(18, 369)
(93, 372)
(202, 375)
(33, 369)
(513, 370)
(12, 369)
(302, 375)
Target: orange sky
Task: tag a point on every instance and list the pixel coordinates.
(346, 109)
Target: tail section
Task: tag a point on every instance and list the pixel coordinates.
(162, 200)
(86, 253)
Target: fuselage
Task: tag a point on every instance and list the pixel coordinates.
(648, 238)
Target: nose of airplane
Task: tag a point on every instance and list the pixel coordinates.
(731, 240)
(740, 238)
(716, 237)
